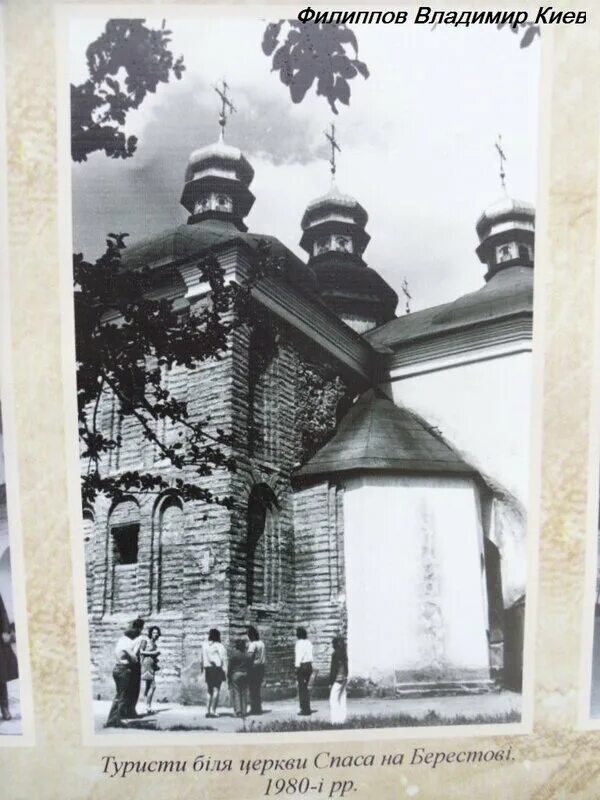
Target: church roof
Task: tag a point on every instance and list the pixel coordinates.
(376, 434)
(187, 241)
(506, 208)
(506, 294)
(220, 153)
(331, 201)
(338, 276)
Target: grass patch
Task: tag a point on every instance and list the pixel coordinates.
(384, 721)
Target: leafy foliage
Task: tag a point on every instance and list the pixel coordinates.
(316, 53)
(322, 399)
(125, 341)
(531, 32)
(125, 63)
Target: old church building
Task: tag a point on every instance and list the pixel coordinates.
(382, 459)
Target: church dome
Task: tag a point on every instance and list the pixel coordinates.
(221, 156)
(334, 201)
(216, 184)
(334, 222)
(506, 209)
(506, 233)
(334, 236)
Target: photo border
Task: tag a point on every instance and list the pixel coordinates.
(9, 430)
(591, 532)
(63, 14)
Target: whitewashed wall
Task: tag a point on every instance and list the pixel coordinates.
(414, 580)
(482, 407)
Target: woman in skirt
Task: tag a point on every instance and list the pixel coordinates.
(214, 664)
(149, 654)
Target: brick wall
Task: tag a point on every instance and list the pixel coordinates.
(320, 607)
(192, 557)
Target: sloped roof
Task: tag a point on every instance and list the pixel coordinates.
(189, 241)
(507, 293)
(339, 275)
(376, 434)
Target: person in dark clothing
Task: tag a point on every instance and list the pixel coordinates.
(237, 673)
(125, 659)
(256, 649)
(9, 669)
(338, 679)
(304, 668)
(135, 679)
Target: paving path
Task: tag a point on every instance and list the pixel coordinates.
(170, 716)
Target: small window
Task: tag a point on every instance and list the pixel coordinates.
(125, 539)
(343, 244)
(506, 252)
(322, 245)
(224, 203)
(201, 205)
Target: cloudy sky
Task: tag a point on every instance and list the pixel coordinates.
(417, 142)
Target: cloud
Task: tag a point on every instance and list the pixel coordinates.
(417, 144)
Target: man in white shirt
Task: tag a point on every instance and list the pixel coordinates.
(303, 663)
(125, 659)
(133, 692)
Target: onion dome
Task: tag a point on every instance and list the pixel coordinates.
(335, 239)
(334, 222)
(217, 178)
(506, 232)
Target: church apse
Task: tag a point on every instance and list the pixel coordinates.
(397, 512)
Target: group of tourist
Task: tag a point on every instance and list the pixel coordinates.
(136, 660)
(9, 669)
(243, 668)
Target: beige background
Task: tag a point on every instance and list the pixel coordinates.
(556, 761)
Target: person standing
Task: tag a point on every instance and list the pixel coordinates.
(135, 681)
(125, 659)
(9, 668)
(149, 654)
(256, 674)
(338, 678)
(214, 665)
(239, 668)
(304, 667)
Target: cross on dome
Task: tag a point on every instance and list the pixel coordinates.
(502, 157)
(227, 107)
(330, 136)
(218, 176)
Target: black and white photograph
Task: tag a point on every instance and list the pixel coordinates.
(11, 581)
(594, 709)
(303, 270)
(10, 705)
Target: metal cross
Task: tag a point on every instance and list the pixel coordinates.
(334, 146)
(502, 156)
(227, 106)
(407, 295)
